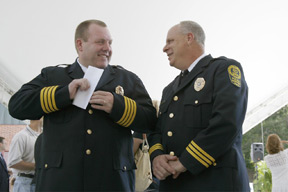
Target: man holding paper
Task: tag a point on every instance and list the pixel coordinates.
(87, 141)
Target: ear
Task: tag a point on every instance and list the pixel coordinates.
(190, 38)
(79, 44)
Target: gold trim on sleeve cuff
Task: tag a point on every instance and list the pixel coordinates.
(155, 147)
(129, 112)
(47, 99)
(199, 154)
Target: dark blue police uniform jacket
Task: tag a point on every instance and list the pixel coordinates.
(200, 122)
(85, 150)
(4, 176)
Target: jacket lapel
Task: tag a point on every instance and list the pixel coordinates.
(191, 76)
(107, 76)
(75, 71)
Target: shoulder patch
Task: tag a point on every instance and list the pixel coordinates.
(234, 75)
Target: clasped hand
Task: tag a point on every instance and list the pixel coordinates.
(165, 165)
(101, 100)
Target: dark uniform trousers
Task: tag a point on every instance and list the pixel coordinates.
(85, 150)
(200, 122)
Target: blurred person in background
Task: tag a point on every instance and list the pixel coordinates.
(4, 175)
(21, 156)
(277, 162)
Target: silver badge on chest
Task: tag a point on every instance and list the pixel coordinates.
(119, 90)
(199, 84)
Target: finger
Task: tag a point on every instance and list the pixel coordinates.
(171, 158)
(99, 101)
(101, 93)
(160, 175)
(176, 175)
(107, 108)
(169, 169)
(160, 169)
(84, 84)
(167, 166)
(99, 107)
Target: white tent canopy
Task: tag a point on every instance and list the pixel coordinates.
(36, 34)
(265, 109)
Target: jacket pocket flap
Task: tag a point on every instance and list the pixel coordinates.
(52, 159)
(197, 100)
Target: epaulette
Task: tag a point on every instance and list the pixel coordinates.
(62, 65)
(222, 58)
(117, 66)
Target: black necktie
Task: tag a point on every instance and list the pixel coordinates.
(182, 75)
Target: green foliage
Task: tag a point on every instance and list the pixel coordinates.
(263, 177)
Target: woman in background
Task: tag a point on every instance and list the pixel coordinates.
(277, 162)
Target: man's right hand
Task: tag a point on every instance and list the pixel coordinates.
(82, 84)
(161, 167)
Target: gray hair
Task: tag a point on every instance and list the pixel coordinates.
(193, 27)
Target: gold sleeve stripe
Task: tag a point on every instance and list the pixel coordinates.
(202, 151)
(199, 154)
(196, 157)
(42, 100)
(133, 113)
(155, 147)
(53, 98)
(47, 99)
(125, 111)
(129, 112)
(128, 106)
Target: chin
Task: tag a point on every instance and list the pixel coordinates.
(101, 65)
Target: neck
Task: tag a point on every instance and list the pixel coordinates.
(35, 128)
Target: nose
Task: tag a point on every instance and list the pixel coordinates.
(107, 46)
(165, 48)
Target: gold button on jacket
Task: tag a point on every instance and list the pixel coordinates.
(88, 151)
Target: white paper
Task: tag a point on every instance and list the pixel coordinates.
(82, 98)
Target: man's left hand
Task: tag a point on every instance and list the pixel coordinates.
(178, 166)
(102, 100)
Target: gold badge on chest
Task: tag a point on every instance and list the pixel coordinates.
(119, 90)
(199, 84)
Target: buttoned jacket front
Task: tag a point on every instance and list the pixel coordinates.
(85, 150)
(200, 122)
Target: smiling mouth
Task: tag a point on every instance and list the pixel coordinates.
(169, 56)
(104, 56)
